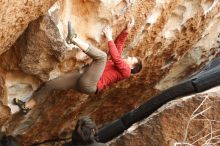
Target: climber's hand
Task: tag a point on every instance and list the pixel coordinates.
(108, 32)
(130, 24)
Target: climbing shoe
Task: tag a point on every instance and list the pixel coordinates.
(71, 34)
(21, 105)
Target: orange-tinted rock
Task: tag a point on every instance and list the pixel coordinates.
(15, 16)
(43, 48)
(191, 120)
(173, 38)
(5, 114)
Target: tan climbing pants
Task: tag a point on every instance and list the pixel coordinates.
(85, 82)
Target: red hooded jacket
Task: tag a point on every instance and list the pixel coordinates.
(116, 69)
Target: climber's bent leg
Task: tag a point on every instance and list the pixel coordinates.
(87, 82)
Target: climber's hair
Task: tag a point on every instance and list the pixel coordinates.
(137, 66)
(85, 131)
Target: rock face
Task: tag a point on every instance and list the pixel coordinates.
(15, 16)
(191, 120)
(42, 40)
(5, 114)
(173, 38)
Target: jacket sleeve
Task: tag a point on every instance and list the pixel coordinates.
(122, 67)
(120, 40)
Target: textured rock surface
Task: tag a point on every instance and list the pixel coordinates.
(192, 120)
(5, 114)
(15, 16)
(43, 41)
(174, 38)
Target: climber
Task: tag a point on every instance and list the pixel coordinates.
(84, 134)
(97, 75)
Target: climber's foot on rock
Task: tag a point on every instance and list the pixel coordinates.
(71, 34)
(21, 105)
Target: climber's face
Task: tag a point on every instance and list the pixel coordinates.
(131, 61)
